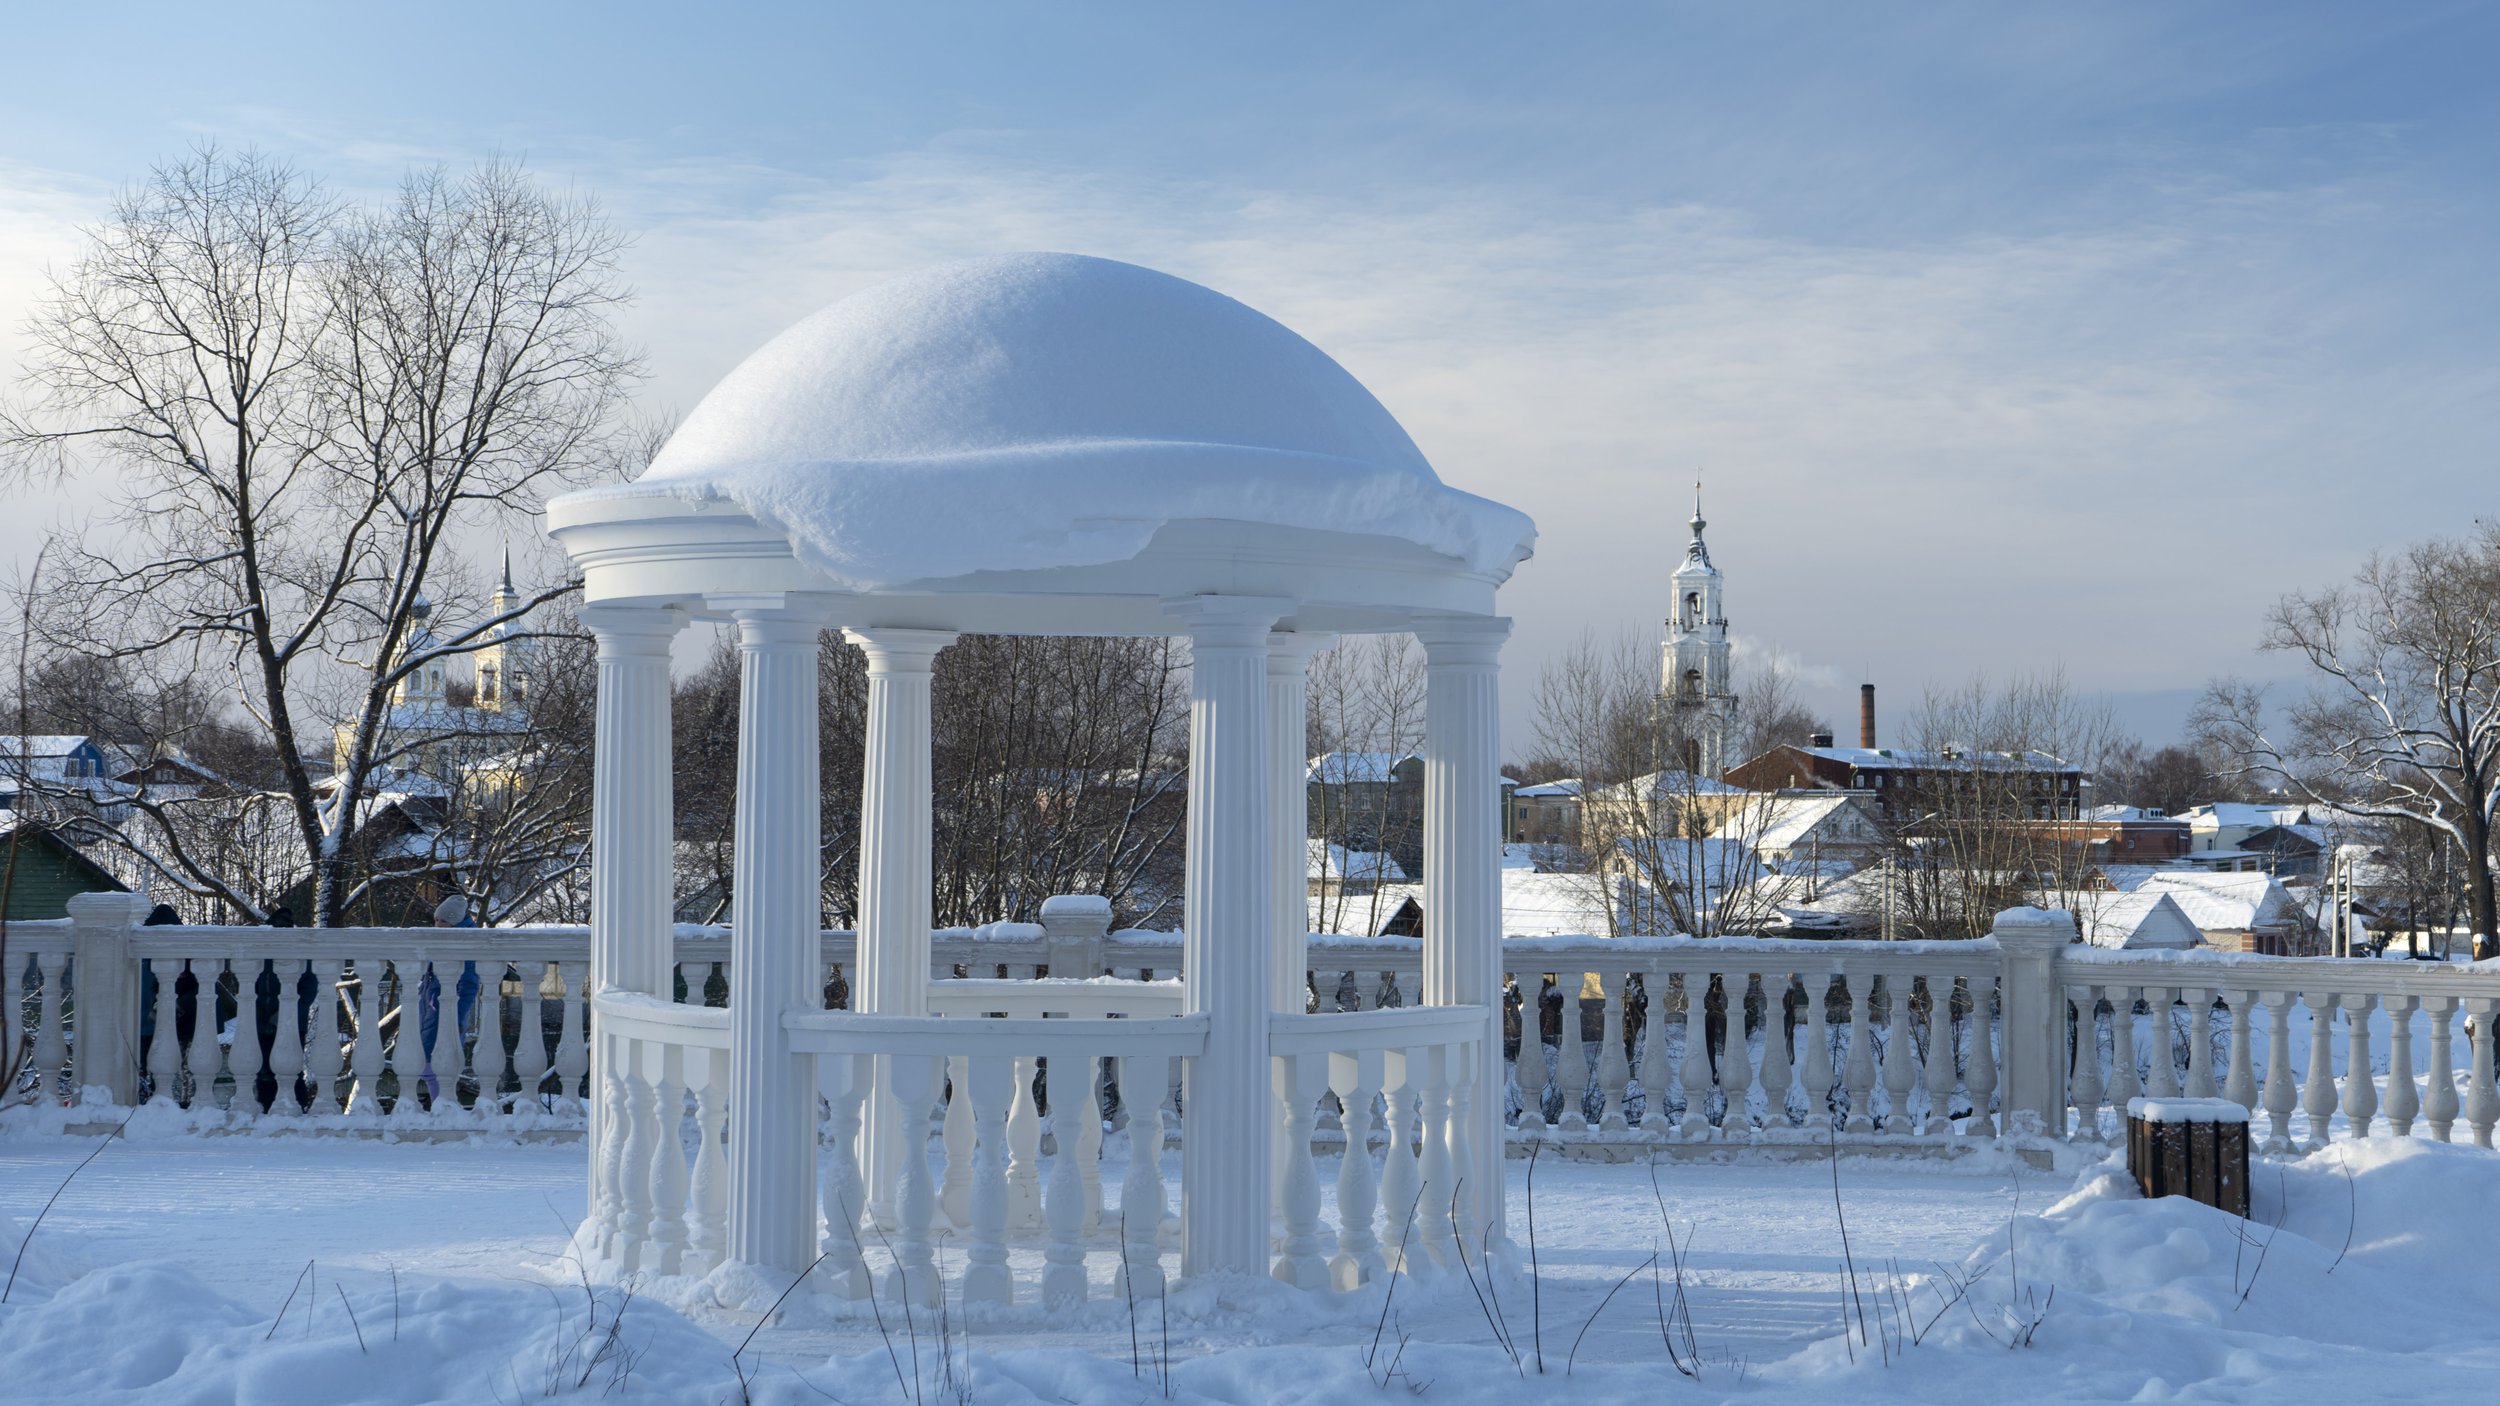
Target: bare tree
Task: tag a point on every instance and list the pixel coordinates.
(1366, 717)
(1985, 819)
(2402, 721)
(1669, 849)
(306, 404)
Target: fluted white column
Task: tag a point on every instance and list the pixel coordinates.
(894, 877)
(1288, 808)
(630, 826)
(775, 886)
(1228, 933)
(1462, 876)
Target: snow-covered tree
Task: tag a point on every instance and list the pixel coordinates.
(2402, 716)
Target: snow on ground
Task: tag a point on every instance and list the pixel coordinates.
(159, 1274)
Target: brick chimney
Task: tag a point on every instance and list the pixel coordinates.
(1866, 716)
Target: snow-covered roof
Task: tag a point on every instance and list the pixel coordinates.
(1722, 864)
(2232, 815)
(1336, 862)
(2146, 918)
(1081, 402)
(1354, 768)
(1786, 822)
(2223, 902)
(1568, 786)
(1931, 759)
(57, 744)
(2130, 815)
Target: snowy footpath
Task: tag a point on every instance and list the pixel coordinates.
(285, 1270)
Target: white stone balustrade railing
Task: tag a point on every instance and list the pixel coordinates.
(1404, 1078)
(1617, 1062)
(2264, 1032)
(985, 1083)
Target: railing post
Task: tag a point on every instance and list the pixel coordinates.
(1075, 925)
(107, 977)
(2034, 1016)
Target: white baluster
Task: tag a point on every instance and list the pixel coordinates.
(608, 1192)
(1142, 1200)
(1024, 1150)
(2279, 1087)
(667, 1254)
(204, 1051)
(322, 1038)
(2124, 1083)
(486, 1056)
(1468, 1232)
(1432, 1136)
(572, 1054)
(839, 1190)
(164, 1057)
(1614, 1072)
(914, 1275)
(2200, 1070)
(2439, 1105)
(955, 1191)
(529, 1051)
(2482, 1101)
(1859, 1072)
(1071, 1094)
(2360, 1095)
(1355, 1078)
(641, 1151)
(2317, 1091)
(1938, 1057)
(1900, 1070)
(1818, 1063)
(2404, 1097)
(1571, 1055)
(2240, 1084)
(1696, 1071)
(1658, 1072)
(365, 1058)
(1401, 1177)
(1979, 1067)
(51, 1043)
(2161, 1062)
(992, 1087)
(1777, 1075)
(1087, 1115)
(1298, 1081)
(1736, 1061)
(1531, 1062)
(401, 1059)
(286, 1046)
(2084, 1085)
(708, 1241)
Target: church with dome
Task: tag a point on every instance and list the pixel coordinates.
(440, 726)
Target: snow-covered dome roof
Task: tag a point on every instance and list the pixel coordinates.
(1032, 411)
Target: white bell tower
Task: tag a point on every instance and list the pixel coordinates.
(1695, 688)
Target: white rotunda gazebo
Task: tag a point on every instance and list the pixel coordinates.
(1036, 444)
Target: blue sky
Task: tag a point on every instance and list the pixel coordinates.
(2005, 337)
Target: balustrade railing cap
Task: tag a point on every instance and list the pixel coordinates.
(2034, 925)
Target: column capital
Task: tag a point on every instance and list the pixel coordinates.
(1289, 651)
(894, 650)
(624, 631)
(1240, 622)
(1462, 639)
